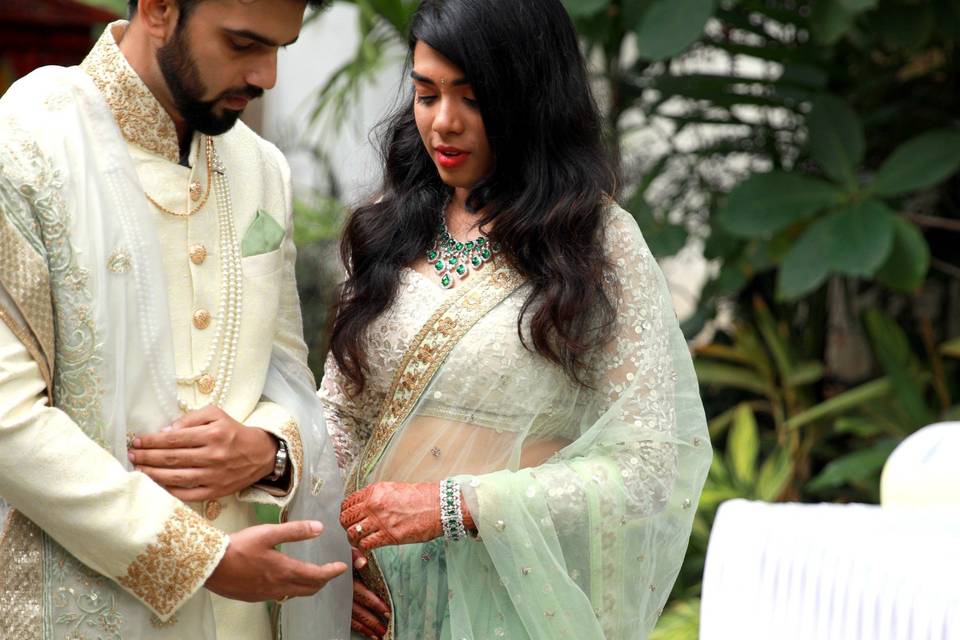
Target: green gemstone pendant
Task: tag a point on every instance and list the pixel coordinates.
(454, 260)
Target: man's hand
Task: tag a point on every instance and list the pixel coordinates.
(205, 455)
(251, 570)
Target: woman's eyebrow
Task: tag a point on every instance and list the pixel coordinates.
(425, 80)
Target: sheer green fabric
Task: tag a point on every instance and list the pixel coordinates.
(584, 497)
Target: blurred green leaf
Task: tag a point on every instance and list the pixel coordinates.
(904, 27)
(850, 400)
(892, 348)
(830, 20)
(743, 445)
(768, 202)
(581, 8)
(951, 349)
(805, 373)
(775, 474)
(853, 241)
(729, 376)
(680, 621)
(663, 239)
(853, 467)
(860, 427)
(836, 139)
(668, 27)
(906, 267)
(772, 338)
(633, 11)
(921, 162)
(856, 6)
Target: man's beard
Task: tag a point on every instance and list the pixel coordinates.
(187, 89)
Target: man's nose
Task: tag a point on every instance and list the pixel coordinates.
(264, 72)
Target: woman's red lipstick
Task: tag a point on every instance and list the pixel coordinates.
(451, 157)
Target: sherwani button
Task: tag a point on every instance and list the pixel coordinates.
(212, 510)
(198, 253)
(201, 319)
(195, 190)
(205, 384)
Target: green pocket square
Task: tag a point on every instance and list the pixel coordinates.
(263, 235)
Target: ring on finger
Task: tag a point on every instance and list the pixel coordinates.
(359, 529)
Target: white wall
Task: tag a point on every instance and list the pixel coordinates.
(325, 44)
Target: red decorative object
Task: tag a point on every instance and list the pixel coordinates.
(35, 33)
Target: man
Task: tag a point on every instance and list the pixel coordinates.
(151, 345)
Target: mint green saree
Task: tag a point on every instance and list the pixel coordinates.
(584, 497)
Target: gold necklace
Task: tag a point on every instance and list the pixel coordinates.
(206, 196)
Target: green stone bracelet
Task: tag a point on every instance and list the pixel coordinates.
(451, 512)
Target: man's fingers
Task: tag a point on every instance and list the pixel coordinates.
(369, 599)
(175, 478)
(182, 439)
(274, 534)
(321, 574)
(368, 620)
(194, 495)
(199, 417)
(170, 458)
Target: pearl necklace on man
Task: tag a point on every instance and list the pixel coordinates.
(227, 336)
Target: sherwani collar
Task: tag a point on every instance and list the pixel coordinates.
(142, 119)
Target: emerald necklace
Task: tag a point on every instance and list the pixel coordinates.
(454, 259)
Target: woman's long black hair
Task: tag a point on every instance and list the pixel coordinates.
(544, 202)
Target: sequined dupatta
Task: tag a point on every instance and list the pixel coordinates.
(423, 358)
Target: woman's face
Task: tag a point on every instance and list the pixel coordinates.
(449, 119)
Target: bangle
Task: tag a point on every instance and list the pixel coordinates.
(279, 463)
(451, 513)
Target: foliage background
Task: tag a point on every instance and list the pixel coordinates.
(810, 150)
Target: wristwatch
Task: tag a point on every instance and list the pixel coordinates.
(279, 463)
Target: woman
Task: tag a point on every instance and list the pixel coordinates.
(508, 391)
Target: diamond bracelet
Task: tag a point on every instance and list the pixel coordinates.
(451, 512)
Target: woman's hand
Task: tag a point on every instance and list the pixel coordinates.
(392, 513)
(370, 613)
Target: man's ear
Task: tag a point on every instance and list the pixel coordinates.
(158, 18)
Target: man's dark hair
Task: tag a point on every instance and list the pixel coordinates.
(186, 6)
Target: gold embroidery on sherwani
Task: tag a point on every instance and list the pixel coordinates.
(291, 433)
(43, 217)
(142, 120)
(176, 564)
(21, 579)
(24, 277)
(423, 357)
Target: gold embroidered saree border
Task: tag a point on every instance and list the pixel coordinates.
(426, 353)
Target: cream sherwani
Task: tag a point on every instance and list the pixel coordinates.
(56, 478)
